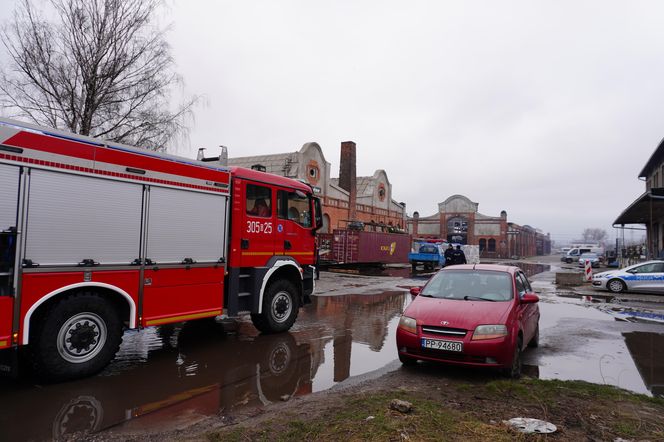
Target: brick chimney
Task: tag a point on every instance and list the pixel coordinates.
(347, 176)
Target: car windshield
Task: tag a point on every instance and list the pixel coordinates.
(589, 256)
(483, 285)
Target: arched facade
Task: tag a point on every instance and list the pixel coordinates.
(459, 221)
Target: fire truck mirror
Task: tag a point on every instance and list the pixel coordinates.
(318, 212)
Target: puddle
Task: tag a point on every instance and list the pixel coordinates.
(599, 298)
(529, 268)
(175, 374)
(646, 350)
(599, 338)
(405, 271)
(634, 315)
(395, 271)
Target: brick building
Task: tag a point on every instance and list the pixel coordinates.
(458, 220)
(347, 198)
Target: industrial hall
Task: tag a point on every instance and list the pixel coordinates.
(458, 220)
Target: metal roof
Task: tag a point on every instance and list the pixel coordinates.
(655, 160)
(645, 208)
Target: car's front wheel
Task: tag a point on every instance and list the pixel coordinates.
(616, 286)
(534, 342)
(513, 371)
(407, 360)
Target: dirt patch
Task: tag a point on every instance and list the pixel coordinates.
(447, 404)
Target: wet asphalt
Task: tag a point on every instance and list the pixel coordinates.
(171, 376)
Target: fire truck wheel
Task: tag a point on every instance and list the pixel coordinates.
(76, 337)
(280, 308)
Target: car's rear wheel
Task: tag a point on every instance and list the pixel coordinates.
(616, 286)
(407, 360)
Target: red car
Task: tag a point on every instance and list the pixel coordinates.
(481, 315)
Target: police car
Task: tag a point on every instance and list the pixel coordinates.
(643, 277)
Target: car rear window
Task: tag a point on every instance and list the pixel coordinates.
(470, 285)
(428, 249)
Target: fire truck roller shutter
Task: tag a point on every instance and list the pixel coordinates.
(72, 218)
(186, 224)
(186, 233)
(9, 176)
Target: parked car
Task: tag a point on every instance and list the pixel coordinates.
(592, 257)
(480, 315)
(646, 277)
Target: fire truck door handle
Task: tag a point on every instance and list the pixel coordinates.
(287, 245)
(244, 244)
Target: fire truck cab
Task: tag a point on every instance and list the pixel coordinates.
(96, 237)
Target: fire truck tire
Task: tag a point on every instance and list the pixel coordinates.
(280, 308)
(75, 337)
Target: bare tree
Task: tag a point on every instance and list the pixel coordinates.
(594, 234)
(98, 67)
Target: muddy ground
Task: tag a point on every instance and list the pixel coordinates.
(449, 404)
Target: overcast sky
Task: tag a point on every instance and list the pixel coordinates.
(545, 109)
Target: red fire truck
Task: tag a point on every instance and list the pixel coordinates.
(96, 237)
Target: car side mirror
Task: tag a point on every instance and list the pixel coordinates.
(415, 291)
(529, 298)
(631, 271)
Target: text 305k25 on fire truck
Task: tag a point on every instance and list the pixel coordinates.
(96, 237)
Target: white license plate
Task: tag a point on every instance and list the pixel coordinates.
(437, 344)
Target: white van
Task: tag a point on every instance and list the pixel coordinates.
(575, 253)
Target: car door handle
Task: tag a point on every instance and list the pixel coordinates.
(287, 245)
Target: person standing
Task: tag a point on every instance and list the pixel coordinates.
(449, 255)
(458, 256)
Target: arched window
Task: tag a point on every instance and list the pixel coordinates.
(492, 245)
(482, 245)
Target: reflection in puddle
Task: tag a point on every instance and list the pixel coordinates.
(400, 271)
(177, 374)
(530, 268)
(580, 341)
(629, 314)
(646, 350)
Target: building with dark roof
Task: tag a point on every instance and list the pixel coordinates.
(648, 208)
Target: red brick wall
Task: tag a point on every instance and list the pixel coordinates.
(338, 212)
